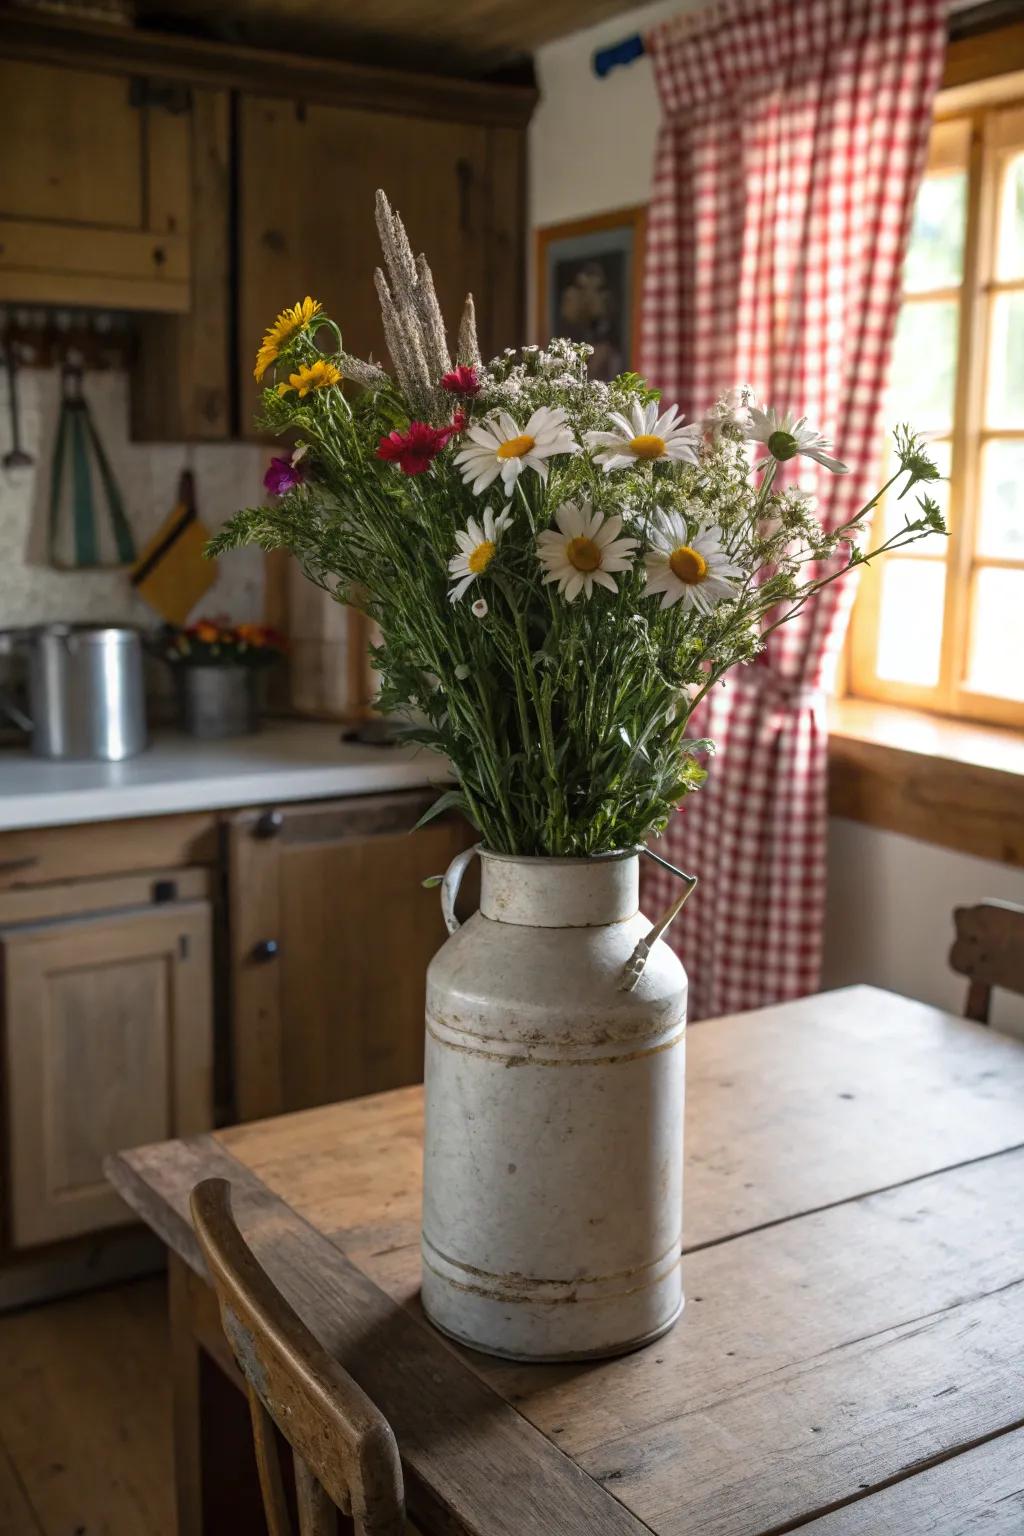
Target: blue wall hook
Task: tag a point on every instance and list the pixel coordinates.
(624, 52)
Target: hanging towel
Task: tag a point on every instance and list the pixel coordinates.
(84, 543)
(172, 573)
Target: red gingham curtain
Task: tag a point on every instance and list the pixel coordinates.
(794, 135)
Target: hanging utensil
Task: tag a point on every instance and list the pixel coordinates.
(16, 456)
(77, 435)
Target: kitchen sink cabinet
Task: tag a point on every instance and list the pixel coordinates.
(331, 934)
(163, 974)
(108, 1043)
(95, 200)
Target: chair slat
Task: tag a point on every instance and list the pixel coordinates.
(340, 1440)
(317, 1515)
(268, 1464)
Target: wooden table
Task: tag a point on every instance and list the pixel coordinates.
(850, 1359)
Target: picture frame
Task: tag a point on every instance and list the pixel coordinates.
(589, 278)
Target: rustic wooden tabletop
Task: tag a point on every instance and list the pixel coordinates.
(850, 1358)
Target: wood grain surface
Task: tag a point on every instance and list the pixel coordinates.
(854, 1280)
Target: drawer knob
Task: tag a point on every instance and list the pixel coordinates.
(266, 949)
(270, 824)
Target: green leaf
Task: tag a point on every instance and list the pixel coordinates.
(451, 799)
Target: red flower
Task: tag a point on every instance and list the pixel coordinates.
(458, 423)
(461, 381)
(415, 450)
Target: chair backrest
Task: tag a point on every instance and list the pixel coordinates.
(989, 950)
(343, 1449)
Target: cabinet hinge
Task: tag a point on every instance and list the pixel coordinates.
(168, 94)
(183, 946)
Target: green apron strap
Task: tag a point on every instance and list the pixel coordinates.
(86, 551)
(57, 479)
(118, 522)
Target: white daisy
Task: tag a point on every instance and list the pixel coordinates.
(497, 446)
(584, 550)
(785, 437)
(643, 436)
(697, 570)
(478, 544)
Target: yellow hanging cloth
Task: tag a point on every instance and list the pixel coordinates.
(171, 573)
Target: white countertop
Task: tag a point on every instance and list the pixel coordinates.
(283, 762)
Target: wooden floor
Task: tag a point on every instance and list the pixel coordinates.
(85, 1416)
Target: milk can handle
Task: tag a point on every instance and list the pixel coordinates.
(450, 885)
(634, 966)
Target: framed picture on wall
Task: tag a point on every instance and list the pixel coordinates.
(588, 286)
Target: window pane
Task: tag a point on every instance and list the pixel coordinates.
(935, 255)
(1006, 368)
(997, 638)
(910, 631)
(1001, 524)
(923, 372)
(1010, 260)
(896, 512)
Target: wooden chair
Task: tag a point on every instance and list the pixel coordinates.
(343, 1449)
(989, 951)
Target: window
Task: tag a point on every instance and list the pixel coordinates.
(941, 626)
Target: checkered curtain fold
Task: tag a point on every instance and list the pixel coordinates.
(793, 138)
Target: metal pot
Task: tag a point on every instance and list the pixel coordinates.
(85, 687)
(218, 701)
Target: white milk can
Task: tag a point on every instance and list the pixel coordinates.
(554, 1113)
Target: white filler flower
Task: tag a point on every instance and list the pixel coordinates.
(478, 544)
(499, 447)
(785, 437)
(696, 570)
(585, 549)
(644, 437)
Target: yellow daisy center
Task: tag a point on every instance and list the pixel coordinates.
(690, 567)
(583, 554)
(516, 446)
(481, 557)
(647, 446)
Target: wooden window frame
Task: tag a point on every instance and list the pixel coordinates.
(994, 129)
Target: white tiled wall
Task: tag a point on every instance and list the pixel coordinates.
(228, 476)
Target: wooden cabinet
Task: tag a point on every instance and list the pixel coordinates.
(331, 934)
(209, 187)
(108, 1042)
(94, 187)
(307, 179)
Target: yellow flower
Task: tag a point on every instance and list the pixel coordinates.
(311, 376)
(298, 318)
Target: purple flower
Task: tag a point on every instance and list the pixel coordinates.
(282, 476)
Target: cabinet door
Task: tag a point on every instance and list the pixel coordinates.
(109, 1043)
(308, 176)
(331, 935)
(94, 188)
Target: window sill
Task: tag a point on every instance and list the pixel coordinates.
(943, 781)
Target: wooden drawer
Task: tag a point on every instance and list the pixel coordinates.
(108, 1043)
(42, 855)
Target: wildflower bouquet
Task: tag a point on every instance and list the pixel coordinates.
(560, 569)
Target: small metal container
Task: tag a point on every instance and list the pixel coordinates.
(215, 702)
(85, 688)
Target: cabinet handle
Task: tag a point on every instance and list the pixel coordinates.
(270, 824)
(266, 949)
